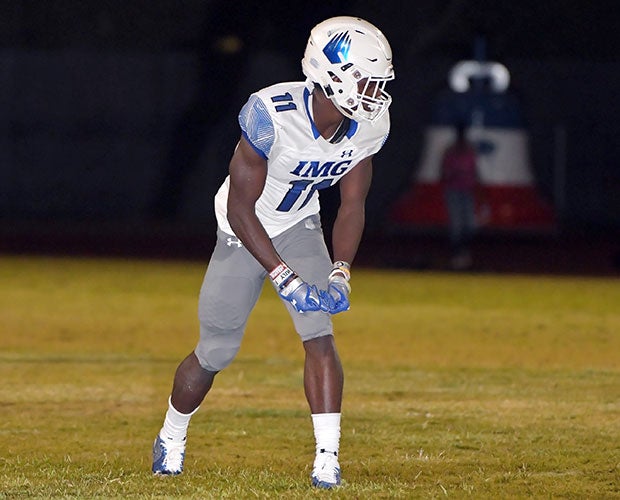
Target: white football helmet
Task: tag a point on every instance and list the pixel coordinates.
(352, 61)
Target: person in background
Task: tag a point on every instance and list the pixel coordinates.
(296, 138)
(459, 179)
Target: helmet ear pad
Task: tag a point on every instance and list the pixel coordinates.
(351, 60)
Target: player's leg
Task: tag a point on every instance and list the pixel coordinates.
(453, 208)
(323, 375)
(323, 384)
(191, 384)
(464, 215)
(303, 248)
(470, 223)
(230, 289)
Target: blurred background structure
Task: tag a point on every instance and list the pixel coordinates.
(118, 118)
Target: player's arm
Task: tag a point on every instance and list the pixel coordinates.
(347, 233)
(349, 224)
(248, 172)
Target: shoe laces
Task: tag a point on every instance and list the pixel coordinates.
(174, 454)
(326, 467)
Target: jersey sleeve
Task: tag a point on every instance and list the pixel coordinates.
(257, 126)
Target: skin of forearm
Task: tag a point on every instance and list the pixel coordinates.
(347, 234)
(250, 231)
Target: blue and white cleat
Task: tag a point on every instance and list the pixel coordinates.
(168, 457)
(326, 470)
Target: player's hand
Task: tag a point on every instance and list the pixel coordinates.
(336, 298)
(302, 296)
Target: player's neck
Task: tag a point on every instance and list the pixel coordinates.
(326, 116)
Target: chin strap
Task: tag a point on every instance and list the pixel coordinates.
(343, 128)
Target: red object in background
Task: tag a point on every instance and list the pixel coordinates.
(497, 207)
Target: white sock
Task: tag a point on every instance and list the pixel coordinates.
(326, 431)
(176, 423)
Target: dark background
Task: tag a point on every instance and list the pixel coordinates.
(118, 118)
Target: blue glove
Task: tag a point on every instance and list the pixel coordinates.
(302, 296)
(293, 289)
(336, 298)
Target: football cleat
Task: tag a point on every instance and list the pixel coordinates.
(326, 470)
(168, 457)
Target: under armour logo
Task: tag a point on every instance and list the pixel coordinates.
(234, 241)
(347, 153)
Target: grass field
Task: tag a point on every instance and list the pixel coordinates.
(479, 386)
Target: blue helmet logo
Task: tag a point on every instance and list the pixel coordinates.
(337, 49)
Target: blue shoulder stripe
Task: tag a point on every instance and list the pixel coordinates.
(257, 126)
(254, 147)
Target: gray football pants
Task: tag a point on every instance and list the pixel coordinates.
(234, 280)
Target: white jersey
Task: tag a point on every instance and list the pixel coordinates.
(277, 122)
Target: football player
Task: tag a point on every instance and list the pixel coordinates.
(296, 138)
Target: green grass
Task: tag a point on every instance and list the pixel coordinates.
(479, 386)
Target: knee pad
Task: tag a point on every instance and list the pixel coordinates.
(216, 350)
